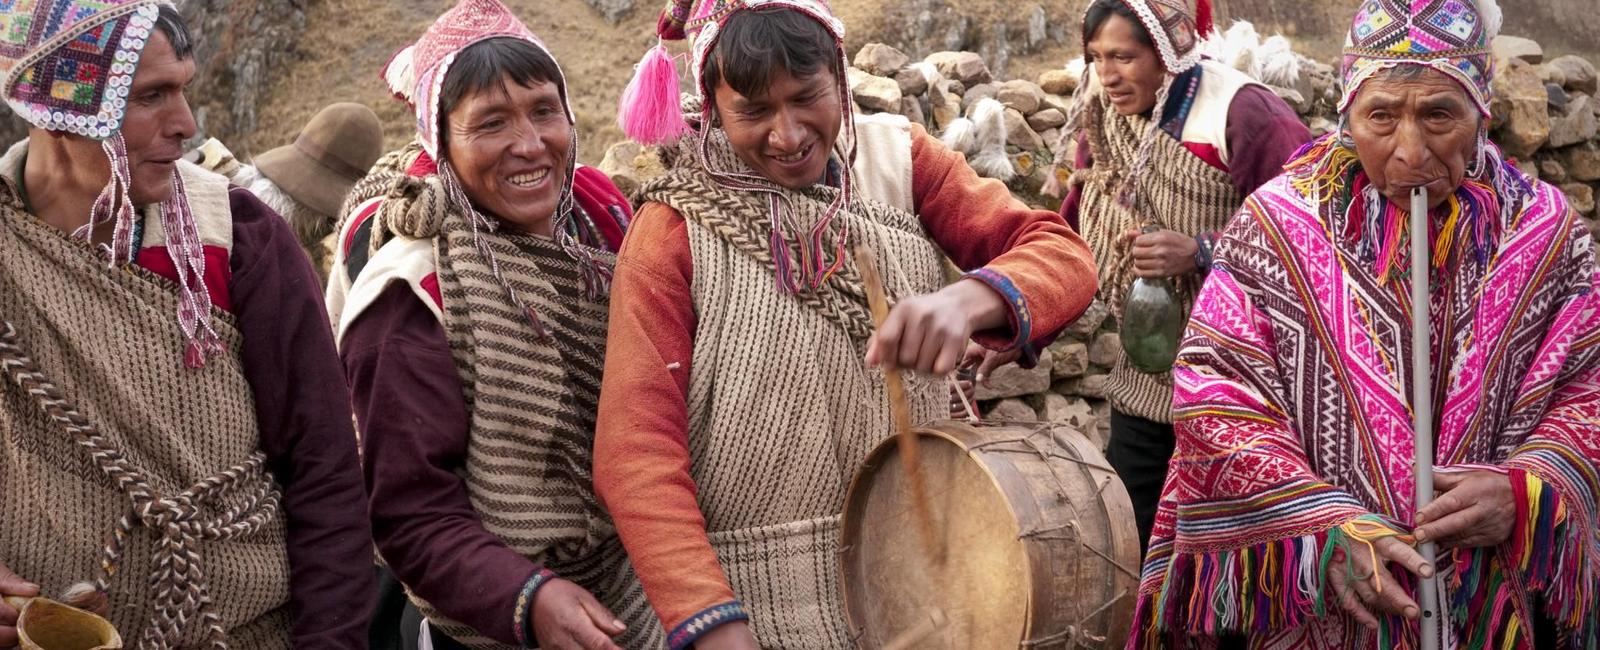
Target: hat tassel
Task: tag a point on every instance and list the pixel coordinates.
(651, 112)
(1203, 22)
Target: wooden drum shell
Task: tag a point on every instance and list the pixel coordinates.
(1037, 533)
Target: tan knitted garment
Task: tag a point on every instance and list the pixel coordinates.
(781, 407)
(532, 402)
(105, 339)
(1179, 192)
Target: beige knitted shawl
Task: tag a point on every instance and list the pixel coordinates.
(781, 408)
(121, 467)
(1178, 191)
(532, 400)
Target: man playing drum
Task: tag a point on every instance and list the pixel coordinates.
(1290, 506)
(740, 391)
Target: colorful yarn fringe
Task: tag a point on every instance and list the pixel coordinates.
(1261, 588)
(1548, 556)
(1329, 172)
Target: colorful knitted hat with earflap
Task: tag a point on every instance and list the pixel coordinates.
(650, 113)
(425, 66)
(68, 66)
(1176, 34)
(1451, 37)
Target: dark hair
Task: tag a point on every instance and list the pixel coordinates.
(755, 44)
(171, 23)
(486, 65)
(1101, 11)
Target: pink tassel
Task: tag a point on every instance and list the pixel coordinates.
(650, 112)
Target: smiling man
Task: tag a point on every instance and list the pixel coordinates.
(173, 384)
(741, 389)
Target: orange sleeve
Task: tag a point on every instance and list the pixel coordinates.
(641, 445)
(1032, 258)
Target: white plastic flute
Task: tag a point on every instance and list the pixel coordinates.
(1422, 403)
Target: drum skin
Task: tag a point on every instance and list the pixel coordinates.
(1036, 533)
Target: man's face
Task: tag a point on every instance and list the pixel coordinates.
(509, 145)
(786, 134)
(156, 123)
(1416, 130)
(1130, 72)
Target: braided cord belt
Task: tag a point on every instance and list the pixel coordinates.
(182, 521)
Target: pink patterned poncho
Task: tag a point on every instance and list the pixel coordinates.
(1294, 429)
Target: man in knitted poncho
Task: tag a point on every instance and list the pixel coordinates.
(167, 434)
(741, 390)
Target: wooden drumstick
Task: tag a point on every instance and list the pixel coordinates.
(895, 385)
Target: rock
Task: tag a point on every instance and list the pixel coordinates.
(966, 67)
(874, 93)
(612, 10)
(1052, 139)
(1074, 412)
(1524, 101)
(1293, 98)
(1578, 124)
(1058, 102)
(1579, 72)
(1551, 170)
(1507, 48)
(881, 60)
(944, 104)
(1582, 162)
(1558, 97)
(1087, 324)
(1046, 120)
(1012, 380)
(911, 107)
(1068, 360)
(631, 165)
(1321, 126)
(1011, 410)
(1025, 96)
(1552, 76)
(976, 93)
(1580, 196)
(912, 82)
(1091, 386)
(1058, 82)
(1102, 421)
(1527, 166)
(1038, 26)
(1019, 134)
(1105, 349)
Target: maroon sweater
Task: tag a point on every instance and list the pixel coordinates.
(304, 415)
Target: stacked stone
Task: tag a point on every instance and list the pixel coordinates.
(1547, 117)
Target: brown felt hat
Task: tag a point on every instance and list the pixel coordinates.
(332, 153)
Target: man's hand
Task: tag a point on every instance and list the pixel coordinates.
(1474, 509)
(930, 333)
(728, 636)
(1162, 254)
(1359, 595)
(12, 585)
(567, 617)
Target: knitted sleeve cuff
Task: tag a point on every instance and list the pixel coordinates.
(1021, 319)
(702, 623)
(522, 614)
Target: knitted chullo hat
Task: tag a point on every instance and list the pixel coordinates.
(1451, 37)
(650, 113)
(1176, 34)
(417, 74)
(68, 66)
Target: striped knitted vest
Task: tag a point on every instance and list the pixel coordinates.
(781, 408)
(128, 430)
(1180, 192)
(532, 401)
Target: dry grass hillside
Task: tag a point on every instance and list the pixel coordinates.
(346, 42)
